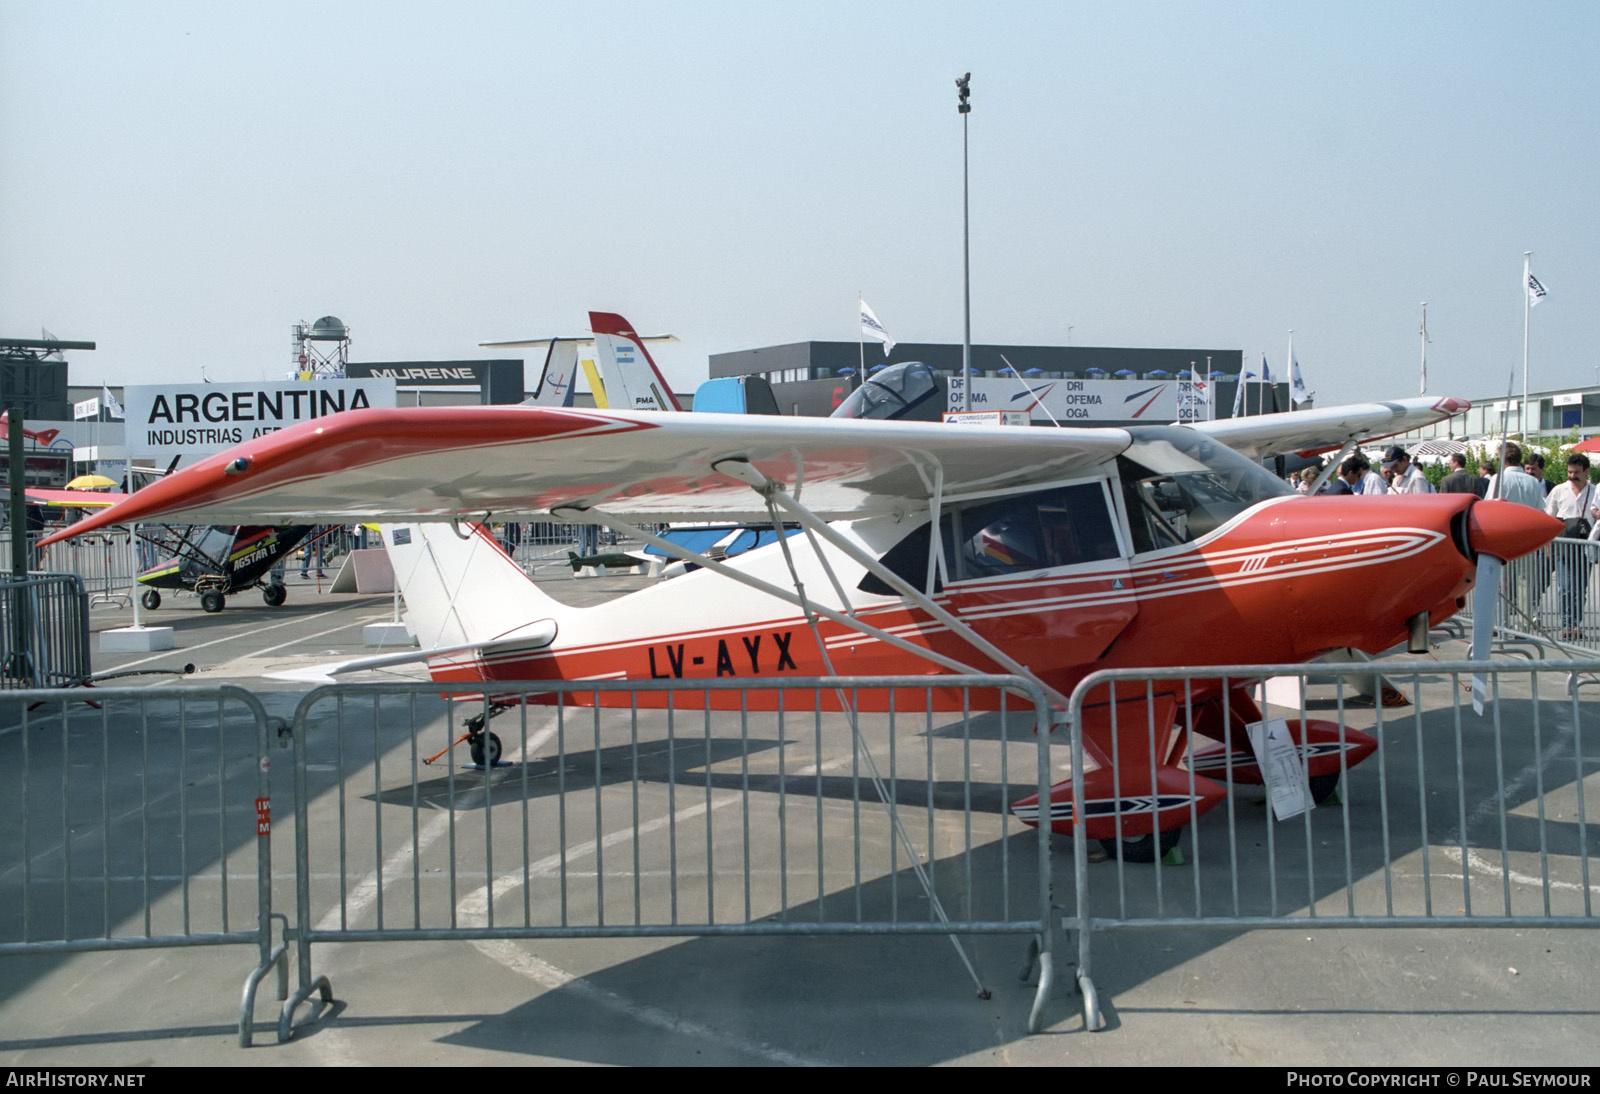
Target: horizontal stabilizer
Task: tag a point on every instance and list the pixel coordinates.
(533, 636)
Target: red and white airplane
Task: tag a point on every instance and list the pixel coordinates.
(1058, 552)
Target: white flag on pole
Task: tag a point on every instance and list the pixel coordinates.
(1238, 396)
(871, 328)
(1536, 291)
(113, 408)
(1297, 383)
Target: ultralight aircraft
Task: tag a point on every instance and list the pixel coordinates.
(216, 561)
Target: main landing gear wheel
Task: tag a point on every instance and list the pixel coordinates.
(476, 749)
(150, 599)
(274, 595)
(212, 602)
(1143, 849)
(1323, 787)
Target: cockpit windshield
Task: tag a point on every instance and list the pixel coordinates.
(1179, 485)
(906, 391)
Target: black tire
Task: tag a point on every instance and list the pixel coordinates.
(274, 594)
(212, 602)
(1323, 787)
(150, 599)
(1143, 849)
(475, 748)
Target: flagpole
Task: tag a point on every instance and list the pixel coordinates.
(1288, 364)
(964, 108)
(1527, 304)
(1423, 333)
(861, 336)
(1211, 405)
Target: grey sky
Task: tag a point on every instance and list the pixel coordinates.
(182, 182)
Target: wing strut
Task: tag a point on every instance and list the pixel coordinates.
(617, 524)
(1333, 467)
(862, 750)
(746, 473)
(812, 610)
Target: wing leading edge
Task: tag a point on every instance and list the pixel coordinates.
(444, 463)
(1309, 432)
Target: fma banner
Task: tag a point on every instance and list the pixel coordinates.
(194, 420)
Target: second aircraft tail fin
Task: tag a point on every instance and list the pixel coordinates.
(632, 380)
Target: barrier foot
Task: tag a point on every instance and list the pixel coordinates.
(286, 1016)
(1093, 1020)
(1030, 961)
(1047, 979)
(247, 1004)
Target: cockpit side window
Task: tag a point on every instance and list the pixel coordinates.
(1039, 531)
(1012, 535)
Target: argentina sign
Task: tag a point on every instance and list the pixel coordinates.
(194, 420)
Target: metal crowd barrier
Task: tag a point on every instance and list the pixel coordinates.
(141, 821)
(1456, 819)
(44, 631)
(720, 816)
(1550, 599)
(105, 561)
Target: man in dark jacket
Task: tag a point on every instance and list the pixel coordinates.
(1462, 481)
(1350, 472)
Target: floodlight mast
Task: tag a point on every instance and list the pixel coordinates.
(963, 107)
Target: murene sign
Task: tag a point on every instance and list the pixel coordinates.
(194, 420)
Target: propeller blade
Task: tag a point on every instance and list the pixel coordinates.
(1485, 602)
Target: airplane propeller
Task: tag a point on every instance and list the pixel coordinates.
(1497, 530)
(1485, 599)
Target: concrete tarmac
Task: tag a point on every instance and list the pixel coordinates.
(1325, 997)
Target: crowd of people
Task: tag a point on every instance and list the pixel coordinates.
(1575, 502)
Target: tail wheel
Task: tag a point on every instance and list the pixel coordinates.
(274, 594)
(475, 746)
(1142, 849)
(150, 599)
(212, 602)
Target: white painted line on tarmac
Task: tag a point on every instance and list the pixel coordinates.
(1490, 808)
(472, 911)
(365, 893)
(168, 654)
(548, 976)
(297, 641)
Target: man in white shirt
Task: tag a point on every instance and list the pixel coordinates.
(1528, 575)
(1407, 477)
(1371, 482)
(1575, 503)
(1515, 484)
